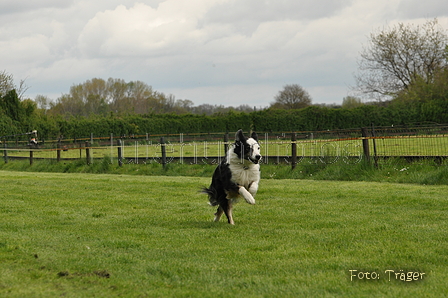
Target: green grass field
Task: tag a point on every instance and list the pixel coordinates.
(90, 235)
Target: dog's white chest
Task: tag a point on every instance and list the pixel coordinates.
(245, 175)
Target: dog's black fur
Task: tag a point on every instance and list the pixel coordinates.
(237, 174)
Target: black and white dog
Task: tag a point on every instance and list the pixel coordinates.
(237, 175)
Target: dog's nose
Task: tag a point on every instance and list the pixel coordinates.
(257, 157)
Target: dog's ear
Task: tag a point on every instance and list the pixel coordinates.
(254, 136)
(239, 136)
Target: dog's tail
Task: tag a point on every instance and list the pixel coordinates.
(212, 195)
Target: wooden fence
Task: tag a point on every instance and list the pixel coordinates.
(349, 146)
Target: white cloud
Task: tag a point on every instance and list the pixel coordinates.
(27, 49)
(414, 9)
(18, 6)
(255, 11)
(215, 51)
(142, 30)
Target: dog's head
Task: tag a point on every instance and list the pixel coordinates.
(247, 148)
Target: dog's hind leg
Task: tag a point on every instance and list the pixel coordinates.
(226, 208)
(228, 213)
(218, 214)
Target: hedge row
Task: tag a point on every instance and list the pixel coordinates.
(309, 119)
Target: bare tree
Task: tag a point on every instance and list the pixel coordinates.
(117, 94)
(292, 97)
(42, 102)
(7, 84)
(184, 105)
(397, 56)
(67, 105)
(350, 102)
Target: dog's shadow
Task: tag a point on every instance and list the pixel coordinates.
(205, 224)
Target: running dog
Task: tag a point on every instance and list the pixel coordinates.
(237, 175)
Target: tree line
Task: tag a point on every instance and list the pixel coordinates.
(404, 67)
(312, 118)
(102, 97)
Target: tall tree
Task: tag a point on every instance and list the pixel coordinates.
(10, 104)
(292, 97)
(396, 56)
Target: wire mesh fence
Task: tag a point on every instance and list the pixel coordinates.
(346, 145)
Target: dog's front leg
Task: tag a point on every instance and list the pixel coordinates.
(253, 187)
(246, 195)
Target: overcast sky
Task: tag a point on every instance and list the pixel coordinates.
(228, 52)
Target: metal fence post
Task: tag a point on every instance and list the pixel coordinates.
(293, 150)
(375, 156)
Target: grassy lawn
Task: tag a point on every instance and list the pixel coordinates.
(89, 235)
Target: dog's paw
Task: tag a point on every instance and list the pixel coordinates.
(247, 196)
(250, 201)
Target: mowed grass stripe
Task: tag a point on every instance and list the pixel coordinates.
(86, 235)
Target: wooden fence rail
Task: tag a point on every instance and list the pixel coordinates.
(292, 148)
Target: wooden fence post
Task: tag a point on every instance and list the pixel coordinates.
(120, 154)
(162, 145)
(365, 143)
(293, 151)
(88, 152)
(226, 142)
(58, 151)
(31, 157)
(5, 152)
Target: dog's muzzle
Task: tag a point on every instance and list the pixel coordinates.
(256, 159)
